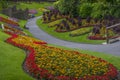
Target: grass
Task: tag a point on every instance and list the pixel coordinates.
(65, 36)
(108, 57)
(11, 59)
(34, 5)
(3, 15)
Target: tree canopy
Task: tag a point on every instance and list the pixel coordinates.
(92, 8)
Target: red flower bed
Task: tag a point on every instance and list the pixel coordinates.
(8, 21)
(96, 38)
(39, 42)
(10, 33)
(40, 73)
(100, 38)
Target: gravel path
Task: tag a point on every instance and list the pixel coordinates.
(38, 33)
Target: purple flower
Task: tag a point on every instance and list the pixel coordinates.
(33, 11)
(50, 8)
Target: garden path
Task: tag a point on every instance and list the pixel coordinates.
(38, 33)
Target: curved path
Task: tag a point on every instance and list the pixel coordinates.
(38, 33)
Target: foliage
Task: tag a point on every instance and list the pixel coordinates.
(80, 31)
(51, 15)
(85, 8)
(67, 6)
(99, 10)
(3, 4)
(54, 23)
(116, 11)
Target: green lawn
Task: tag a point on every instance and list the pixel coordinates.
(11, 59)
(65, 36)
(34, 5)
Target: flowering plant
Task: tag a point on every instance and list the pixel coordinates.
(57, 64)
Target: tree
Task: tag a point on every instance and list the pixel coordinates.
(67, 6)
(3, 3)
(85, 10)
(93, 8)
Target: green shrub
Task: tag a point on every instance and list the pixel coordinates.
(93, 8)
(67, 6)
(116, 11)
(85, 10)
(99, 10)
(80, 31)
(3, 4)
(52, 24)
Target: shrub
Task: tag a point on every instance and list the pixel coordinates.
(80, 31)
(99, 10)
(85, 10)
(68, 6)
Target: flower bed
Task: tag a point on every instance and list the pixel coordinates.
(96, 38)
(33, 11)
(13, 30)
(100, 37)
(5, 20)
(57, 64)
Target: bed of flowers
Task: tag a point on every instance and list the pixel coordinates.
(9, 21)
(12, 30)
(51, 63)
(101, 38)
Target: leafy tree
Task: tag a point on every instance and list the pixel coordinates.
(85, 10)
(3, 3)
(68, 6)
(93, 8)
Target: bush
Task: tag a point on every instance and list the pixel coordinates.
(99, 10)
(80, 31)
(93, 8)
(85, 10)
(3, 4)
(67, 6)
